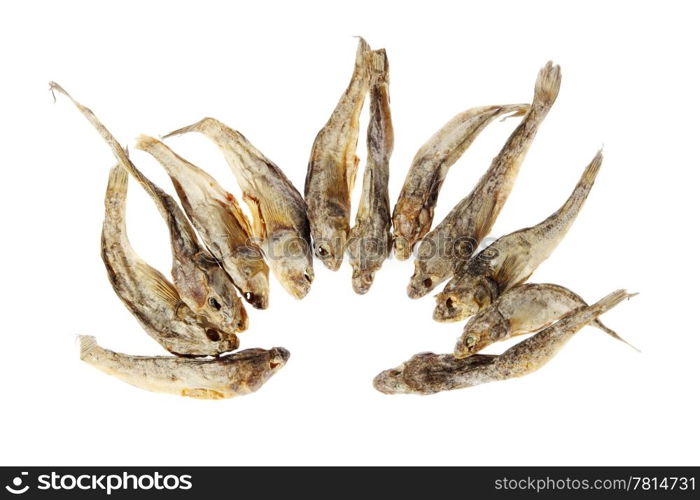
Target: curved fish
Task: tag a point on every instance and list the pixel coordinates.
(454, 240)
(524, 309)
(199, 279)
(370, 239)
(429, 373)
(511, 259)
(147, 293)
(414, 210)
(279, 211)
(333, 165)
(227, 376)
(219, 221)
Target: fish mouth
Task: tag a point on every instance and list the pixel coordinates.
(448, 310)
(331, 262)
(389, 382)
(280, 356)
(402, 248)
(362, 281)
(257, 300)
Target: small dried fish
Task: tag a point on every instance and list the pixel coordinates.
(232, 375)
(370, 239)
(200, 281)
(511, 259)
(279, 211)
(524, 309)
(333, 165)
(219, 220)
(414, 210)
(429, 373)
(147, 293)
(453, 241)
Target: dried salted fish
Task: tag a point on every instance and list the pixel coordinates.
(428, 373)
(370, 239)
(414, 210)
(218, 219)
(199, 279)
(524, 309)
(459, 234)
(511, 259)
(333, 165)
(227, 376)
(279, 211)
(147, 293)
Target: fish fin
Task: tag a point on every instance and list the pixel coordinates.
(88, 345)
(237, 212)
(194, 127)
(506, 274)
(548, 83)
(599, 324)
(514, 110)
(351, 173)
(259, 226)
(158, 284)
(611, 300)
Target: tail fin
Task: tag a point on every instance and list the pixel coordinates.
(199, 126)
(88, 345)
(378, 66)
(547, 85)
(592, 169)
(610, 301)
(599, 324)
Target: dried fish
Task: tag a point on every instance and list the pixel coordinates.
(147, 293)
(429, 373)
(454, 240)
(414, 210)
(370, 239)
(524, 309)
(199, 279)
(218, 219)
(333, 165)
(227, 376)
(511, 259)
(279, 211)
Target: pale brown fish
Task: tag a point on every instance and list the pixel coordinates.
(414, 210)
(148, 295)
(521, 310)
(227, 376)
(454, 240)
(370, 239)
(279, 212)
(429, 373)
(333, 165)
(199, 279)
(511, 259)
(219, 221)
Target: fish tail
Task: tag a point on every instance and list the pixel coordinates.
(610, 301)
(592, 169)
(379, 66)
(547, 85)
(146, 143)
(199, 126)
(88, 346)
(599, 324)
(118, 183)
(514, 110)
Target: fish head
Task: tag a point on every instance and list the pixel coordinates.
(253, 274)
(402, 247)
(221, 303)
(422, 281)
(362, 280)
(196, 335)
(330, 238)
(458, 302)
(251, 368)
(391, 381)
(290, 259)
(481, 330)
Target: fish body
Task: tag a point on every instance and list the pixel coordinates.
(227, 376)
(200, 281)
(511, 259)
(148, 295)
(279, 214)
(219, 221)
(453, 241)
(370, 239)
(414, 210)
(429, 373)
(333, 165)
(524, 309)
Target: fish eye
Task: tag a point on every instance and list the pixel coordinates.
(307, 277)
(449, 302)
(212, 334)
(470, 341)
(214, 303)
(427, 282)
(322, 252)
(248, 296)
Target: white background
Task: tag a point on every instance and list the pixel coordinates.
(275, 72)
